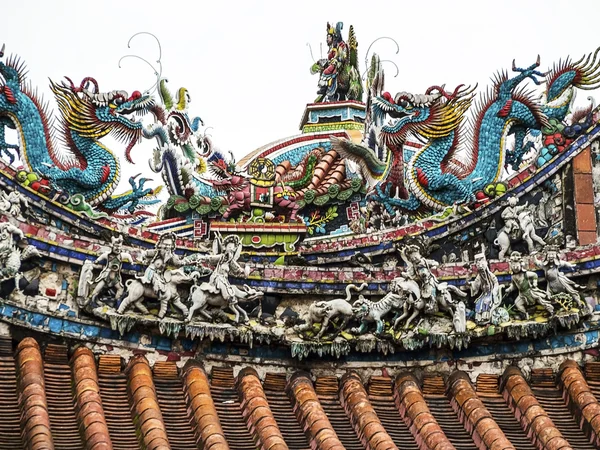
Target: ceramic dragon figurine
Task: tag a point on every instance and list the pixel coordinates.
(85, 166)
(444, 172)
(181, 147)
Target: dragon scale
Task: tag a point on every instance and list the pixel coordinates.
(87, 167)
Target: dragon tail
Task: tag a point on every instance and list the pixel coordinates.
(582, 74)
(356, 288)
(371, 167)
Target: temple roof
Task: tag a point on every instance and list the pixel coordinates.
(56, 398)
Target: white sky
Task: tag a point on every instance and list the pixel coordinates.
(246, 63)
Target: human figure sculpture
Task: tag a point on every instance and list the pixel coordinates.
(526, 285)
(518, 224)
(159, 280)
(556, 281)
(11, 203)
(419, 270)
(10, 255)
(339, 78)
(218, 291)
(486, 284)
(110, 276)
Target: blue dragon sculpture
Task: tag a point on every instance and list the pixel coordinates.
(444, 172)
(85, 166)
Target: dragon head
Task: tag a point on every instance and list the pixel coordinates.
(228, 178)
(433, 114)
(94, 114)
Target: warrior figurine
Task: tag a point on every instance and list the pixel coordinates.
(157, 273)
(110, 276)
(487, 285)
(556, 281)
(226, 254)
(526, 284)
(419, 270)
(339, 78)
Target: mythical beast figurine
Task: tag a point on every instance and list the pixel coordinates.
(324, 312)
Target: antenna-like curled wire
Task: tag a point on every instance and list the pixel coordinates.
(364, 75)
(157, 72)
(378, 39)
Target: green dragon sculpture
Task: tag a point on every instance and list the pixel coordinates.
(85, 166)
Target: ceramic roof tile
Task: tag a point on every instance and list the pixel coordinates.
(367, 425)
(34, 407)
(171, 397)
(534, 417)
(311, 415)
(475, 416)
(116, 402)
(257, 412)
(145, 404)
(413, 407)
(9, 406)
(89, 403)
(579, 395)
(184, 410)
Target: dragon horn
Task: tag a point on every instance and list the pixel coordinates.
(514, 66)
(71, 81)
(2, 50)
(537, 62)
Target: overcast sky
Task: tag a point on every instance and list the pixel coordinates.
(246, 63)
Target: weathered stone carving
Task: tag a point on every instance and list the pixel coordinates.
(11, 203)
(202, 298)
(109, 277)
(167, 292)
(218, 291)
(367, 311)
(325, 312)
(435, 296)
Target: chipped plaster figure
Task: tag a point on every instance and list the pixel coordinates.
(419, 270)
(200, 300)
(526, 285)
(556, 281)
(367, 311)
(158, 280)
(218, 291)
(86, 279)
(10, 203)
(324, 312)
(10, 255)
(110, 276)
(486, 284)
(518, 224)
(459, 319)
